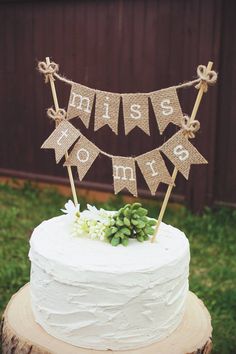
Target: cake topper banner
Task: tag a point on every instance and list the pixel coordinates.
(165, 102)
(167, 109)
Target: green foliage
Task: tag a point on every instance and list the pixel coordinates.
(212, 239)
(130, 221)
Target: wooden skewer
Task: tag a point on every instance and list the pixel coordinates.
(174, 174)
(55, 100)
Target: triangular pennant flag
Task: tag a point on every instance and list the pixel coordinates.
(124, 174)
(153, 169)
(166, 107)
(61, 139)
(80, 103)
(135, 108)
(182, 153)
(107, 110)
(83, 155)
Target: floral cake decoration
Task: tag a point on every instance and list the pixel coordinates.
(116, 227)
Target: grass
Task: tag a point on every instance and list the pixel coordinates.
(211, 235)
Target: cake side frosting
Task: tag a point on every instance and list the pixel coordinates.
(93, 295)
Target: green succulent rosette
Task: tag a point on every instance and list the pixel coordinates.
(130, 222)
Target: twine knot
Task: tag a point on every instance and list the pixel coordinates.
(58, 116)
(48, 69)
(207, 77)
(190, 127)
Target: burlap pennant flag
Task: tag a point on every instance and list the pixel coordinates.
(166, 107)
(182, 153)
(124, 174)
(83, 155)
(80, 103)
(135, 108)
(107, 110)
(61, 139)
(153, 169)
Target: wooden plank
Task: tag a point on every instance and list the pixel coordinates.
(120, 46)
(225, 169)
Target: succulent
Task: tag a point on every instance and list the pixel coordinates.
(131, 221)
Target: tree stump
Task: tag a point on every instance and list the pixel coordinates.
(22, 335)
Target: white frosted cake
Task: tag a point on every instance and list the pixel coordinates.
(93, 295)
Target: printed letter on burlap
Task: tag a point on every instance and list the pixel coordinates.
(166, 107)
(82, 156)
(124, 174)
(135, 108)
(182, 153)
(80, 103)
(107, 110)
(153, 169)
(61, 139)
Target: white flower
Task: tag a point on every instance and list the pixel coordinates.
(91, 223)
(70, 208)
(92, 213)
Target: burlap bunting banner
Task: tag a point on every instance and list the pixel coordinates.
(82, 156)
(61, 139)
(153, 169)
(135, 108)
(80, 103)
(166, 107)
(107, 110)
(124, 174)
(182, 153)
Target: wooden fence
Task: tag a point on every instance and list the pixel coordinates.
(120, 46)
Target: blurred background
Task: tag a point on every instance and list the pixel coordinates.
(119, 46)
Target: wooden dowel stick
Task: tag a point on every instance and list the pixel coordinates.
(174, 175)
(55, 100)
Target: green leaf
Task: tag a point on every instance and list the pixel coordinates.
(125, 231)
(115, 241)
(134, 222)
(140, 224)
(127, 212)
(136, 205)
(142, 212)
(125, 241)
(118, 234)
(140, 238)
(113, 229)
(108, 232)
(119, 222)
(152, 222)
(126, 221)
(149, 230)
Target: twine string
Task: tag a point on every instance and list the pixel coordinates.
(58, 116)
(207, 77)
(189, 127)
(48, 70)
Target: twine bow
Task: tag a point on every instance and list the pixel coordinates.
(48, 69)
(207, 77)
(190, 127)
(58, 116)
